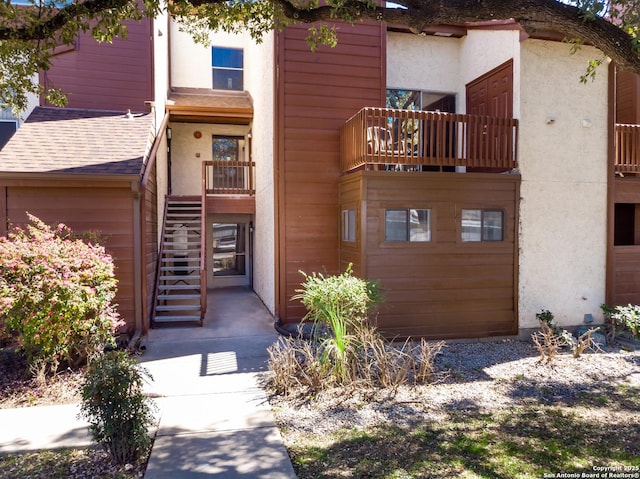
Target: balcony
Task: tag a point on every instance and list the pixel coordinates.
(409, 140)
(627, 159)
(228, 177)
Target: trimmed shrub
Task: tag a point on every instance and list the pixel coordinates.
(56, 295)
(119, 414)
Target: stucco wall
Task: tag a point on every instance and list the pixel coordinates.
(446, 65)
(260, 83)
(423, 62)
(482, 51)
(191, 62)
(563, 160)
(188, 153)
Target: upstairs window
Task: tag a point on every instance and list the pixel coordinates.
(227, 64)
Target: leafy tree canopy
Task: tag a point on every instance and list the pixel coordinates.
(31, 29)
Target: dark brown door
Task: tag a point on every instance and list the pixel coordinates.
(490, 95)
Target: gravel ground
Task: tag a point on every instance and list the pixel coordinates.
(472, 376)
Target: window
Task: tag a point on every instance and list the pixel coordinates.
(228, 171)
(227, 66)
(7, 129)
(407, 225)
(482, 225)
(624, 224)
(420, 100)
(349, 225)
(229, 249)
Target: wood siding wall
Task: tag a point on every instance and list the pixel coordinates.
(316, 93)
(106, 76)
(443, 288)
(625, 287)
(627, 98)
(107, 209)
(150, 235)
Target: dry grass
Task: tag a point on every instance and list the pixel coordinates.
(298, 366)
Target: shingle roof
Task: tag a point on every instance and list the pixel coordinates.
(66, 140)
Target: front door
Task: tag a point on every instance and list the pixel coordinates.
(229, 258)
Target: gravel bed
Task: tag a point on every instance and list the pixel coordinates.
(471, 376)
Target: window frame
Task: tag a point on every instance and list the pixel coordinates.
(483, 237)
(408, 229)
(349, 234)
(229, 68)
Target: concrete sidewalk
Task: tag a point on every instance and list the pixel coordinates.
(215, 420)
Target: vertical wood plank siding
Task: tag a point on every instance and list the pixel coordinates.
(106, 76)
(443, 288)
(150, 238)
(105, 210)
(318, 92)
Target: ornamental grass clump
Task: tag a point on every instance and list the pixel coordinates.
(345, 349)
(56, 295)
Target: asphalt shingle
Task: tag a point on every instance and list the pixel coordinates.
(66, 140)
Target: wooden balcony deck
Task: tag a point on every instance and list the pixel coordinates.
(228, 177)
(379, 138)
(627, 160)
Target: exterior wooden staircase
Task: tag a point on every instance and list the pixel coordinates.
(179, 282)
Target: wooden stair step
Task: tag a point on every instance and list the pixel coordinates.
(180, 277)
(178, 307)
(178, 268)
(178, 287)
(184, 252)
(181, 297)
(187, 259)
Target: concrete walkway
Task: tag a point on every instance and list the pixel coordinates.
(214, 417)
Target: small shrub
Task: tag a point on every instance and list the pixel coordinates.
(56, 295)
(626, 317)
(119, 414)
(552, 337)
(547, 342)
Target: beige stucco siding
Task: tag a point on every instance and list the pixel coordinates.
(188, 153)
(423, 62)
(482, 51)
(260, 83)
(191, 62)
(563, 161)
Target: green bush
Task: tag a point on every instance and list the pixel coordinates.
(56, 295)
(119, 414)
(342, 303)
(627, 317)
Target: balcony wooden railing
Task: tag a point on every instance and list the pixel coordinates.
(407, 139)
(627, 160)
(228, 177)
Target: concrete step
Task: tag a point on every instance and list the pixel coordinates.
(175, 318)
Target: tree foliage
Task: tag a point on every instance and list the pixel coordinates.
(31, 30)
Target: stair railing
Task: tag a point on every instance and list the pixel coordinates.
(154, 302)
(203, 248)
